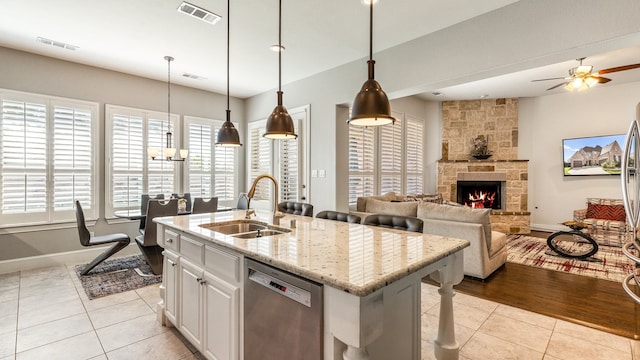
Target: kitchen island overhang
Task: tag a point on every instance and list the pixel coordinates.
(371, 276)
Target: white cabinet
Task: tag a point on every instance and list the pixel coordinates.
(202, 295)
(170, 280)
(221, 327)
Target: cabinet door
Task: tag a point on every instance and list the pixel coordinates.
(170, 284)
(190, 302)
(221, 319)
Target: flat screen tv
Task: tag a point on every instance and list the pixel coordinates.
(594, 155)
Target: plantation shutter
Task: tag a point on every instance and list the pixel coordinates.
(260, 160)
(391, 157)
(225, 188)
(414, 156)
(160, 174)
(24, 157)
(200, 159)
(72, 158)
(289, 170)
(127, 160)
(361, 162)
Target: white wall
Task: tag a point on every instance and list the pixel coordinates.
(545, 121)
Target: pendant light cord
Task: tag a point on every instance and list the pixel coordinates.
(280, 45)
(370, 29)
(228, 30)
(169, 58)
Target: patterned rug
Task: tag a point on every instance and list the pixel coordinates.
(608, 263)
(117, 275)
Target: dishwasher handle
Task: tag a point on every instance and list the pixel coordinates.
(280, 287)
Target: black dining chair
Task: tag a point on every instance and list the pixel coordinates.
(406, 223)
(144, 202)
(201, 205)
(296, 208)
(339, 216)
(148, 242)
(121, 240)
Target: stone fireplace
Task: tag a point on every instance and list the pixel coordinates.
(502, 175)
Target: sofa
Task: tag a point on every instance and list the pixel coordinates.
(487, 251)
(607, 221)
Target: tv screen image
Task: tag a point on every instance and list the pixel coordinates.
(594, 155)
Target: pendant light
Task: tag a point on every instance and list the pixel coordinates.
(169, 152)
(371, 106)
(228, 135)
(279, 124)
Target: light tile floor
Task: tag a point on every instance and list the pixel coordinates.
(45, 314)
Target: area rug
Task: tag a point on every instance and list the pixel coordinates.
(117, 275)
(608, 263)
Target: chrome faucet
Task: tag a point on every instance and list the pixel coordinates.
(277, 215)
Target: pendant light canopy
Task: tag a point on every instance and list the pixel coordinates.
(371, 106)
(279, 124)
(228, 135)
(169, 152)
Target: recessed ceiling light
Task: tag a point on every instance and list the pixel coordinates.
(484, 96)
(56, 43)
(198, 12)
(276, 48)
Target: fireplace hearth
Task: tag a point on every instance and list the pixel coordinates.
(480, 194)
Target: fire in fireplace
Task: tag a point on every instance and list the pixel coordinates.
(480, 194)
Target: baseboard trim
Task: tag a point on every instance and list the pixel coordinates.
(57, 259)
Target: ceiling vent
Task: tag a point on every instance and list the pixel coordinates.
(56, 43)
(198, 12)
(192, 76)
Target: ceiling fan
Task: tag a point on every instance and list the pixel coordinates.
(582, 77)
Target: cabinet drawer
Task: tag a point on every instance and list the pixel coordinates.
(192, 249)
(222, 264)
(171, 240)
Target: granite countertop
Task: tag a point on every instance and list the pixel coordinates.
(355, 258)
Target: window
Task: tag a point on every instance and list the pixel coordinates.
(130, 171)
(286, 160)
(48, 158)
(209, 169)
(386, 158)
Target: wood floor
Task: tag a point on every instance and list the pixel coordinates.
(592, 302)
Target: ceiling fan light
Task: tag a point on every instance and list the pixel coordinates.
(590, 81)
(583, 70)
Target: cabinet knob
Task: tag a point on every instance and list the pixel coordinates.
(169, 240)
(173, 264)
(199, 280)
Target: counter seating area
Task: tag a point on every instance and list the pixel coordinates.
(488, 250)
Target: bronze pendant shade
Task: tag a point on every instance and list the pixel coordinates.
(228, 135)
(279, 124)
(371, 105)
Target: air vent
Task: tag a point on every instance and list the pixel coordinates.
(198, 12)
(56, 43)
(192, 76)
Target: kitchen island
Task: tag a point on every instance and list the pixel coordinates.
(371, 279)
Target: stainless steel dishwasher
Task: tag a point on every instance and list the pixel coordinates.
(282, 315)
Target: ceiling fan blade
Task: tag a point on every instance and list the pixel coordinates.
(619, 68)
(603, 80)
(553, 87)
(556, 78)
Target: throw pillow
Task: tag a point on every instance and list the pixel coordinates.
(606, 212)
(457, 213)
(392, 208)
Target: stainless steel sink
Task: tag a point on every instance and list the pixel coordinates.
(246, 229)
(258, 234)
(237, 228)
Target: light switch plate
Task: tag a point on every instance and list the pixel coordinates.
(314, 173)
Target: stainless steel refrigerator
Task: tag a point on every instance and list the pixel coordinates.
(630, 182)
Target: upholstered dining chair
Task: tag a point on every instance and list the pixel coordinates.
(200, 205)
(296, 208)
(121, 240)
(339, 216)
(144, 202)
(148, 242)
(406, 223)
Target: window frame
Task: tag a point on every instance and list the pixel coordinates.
(53, 218)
